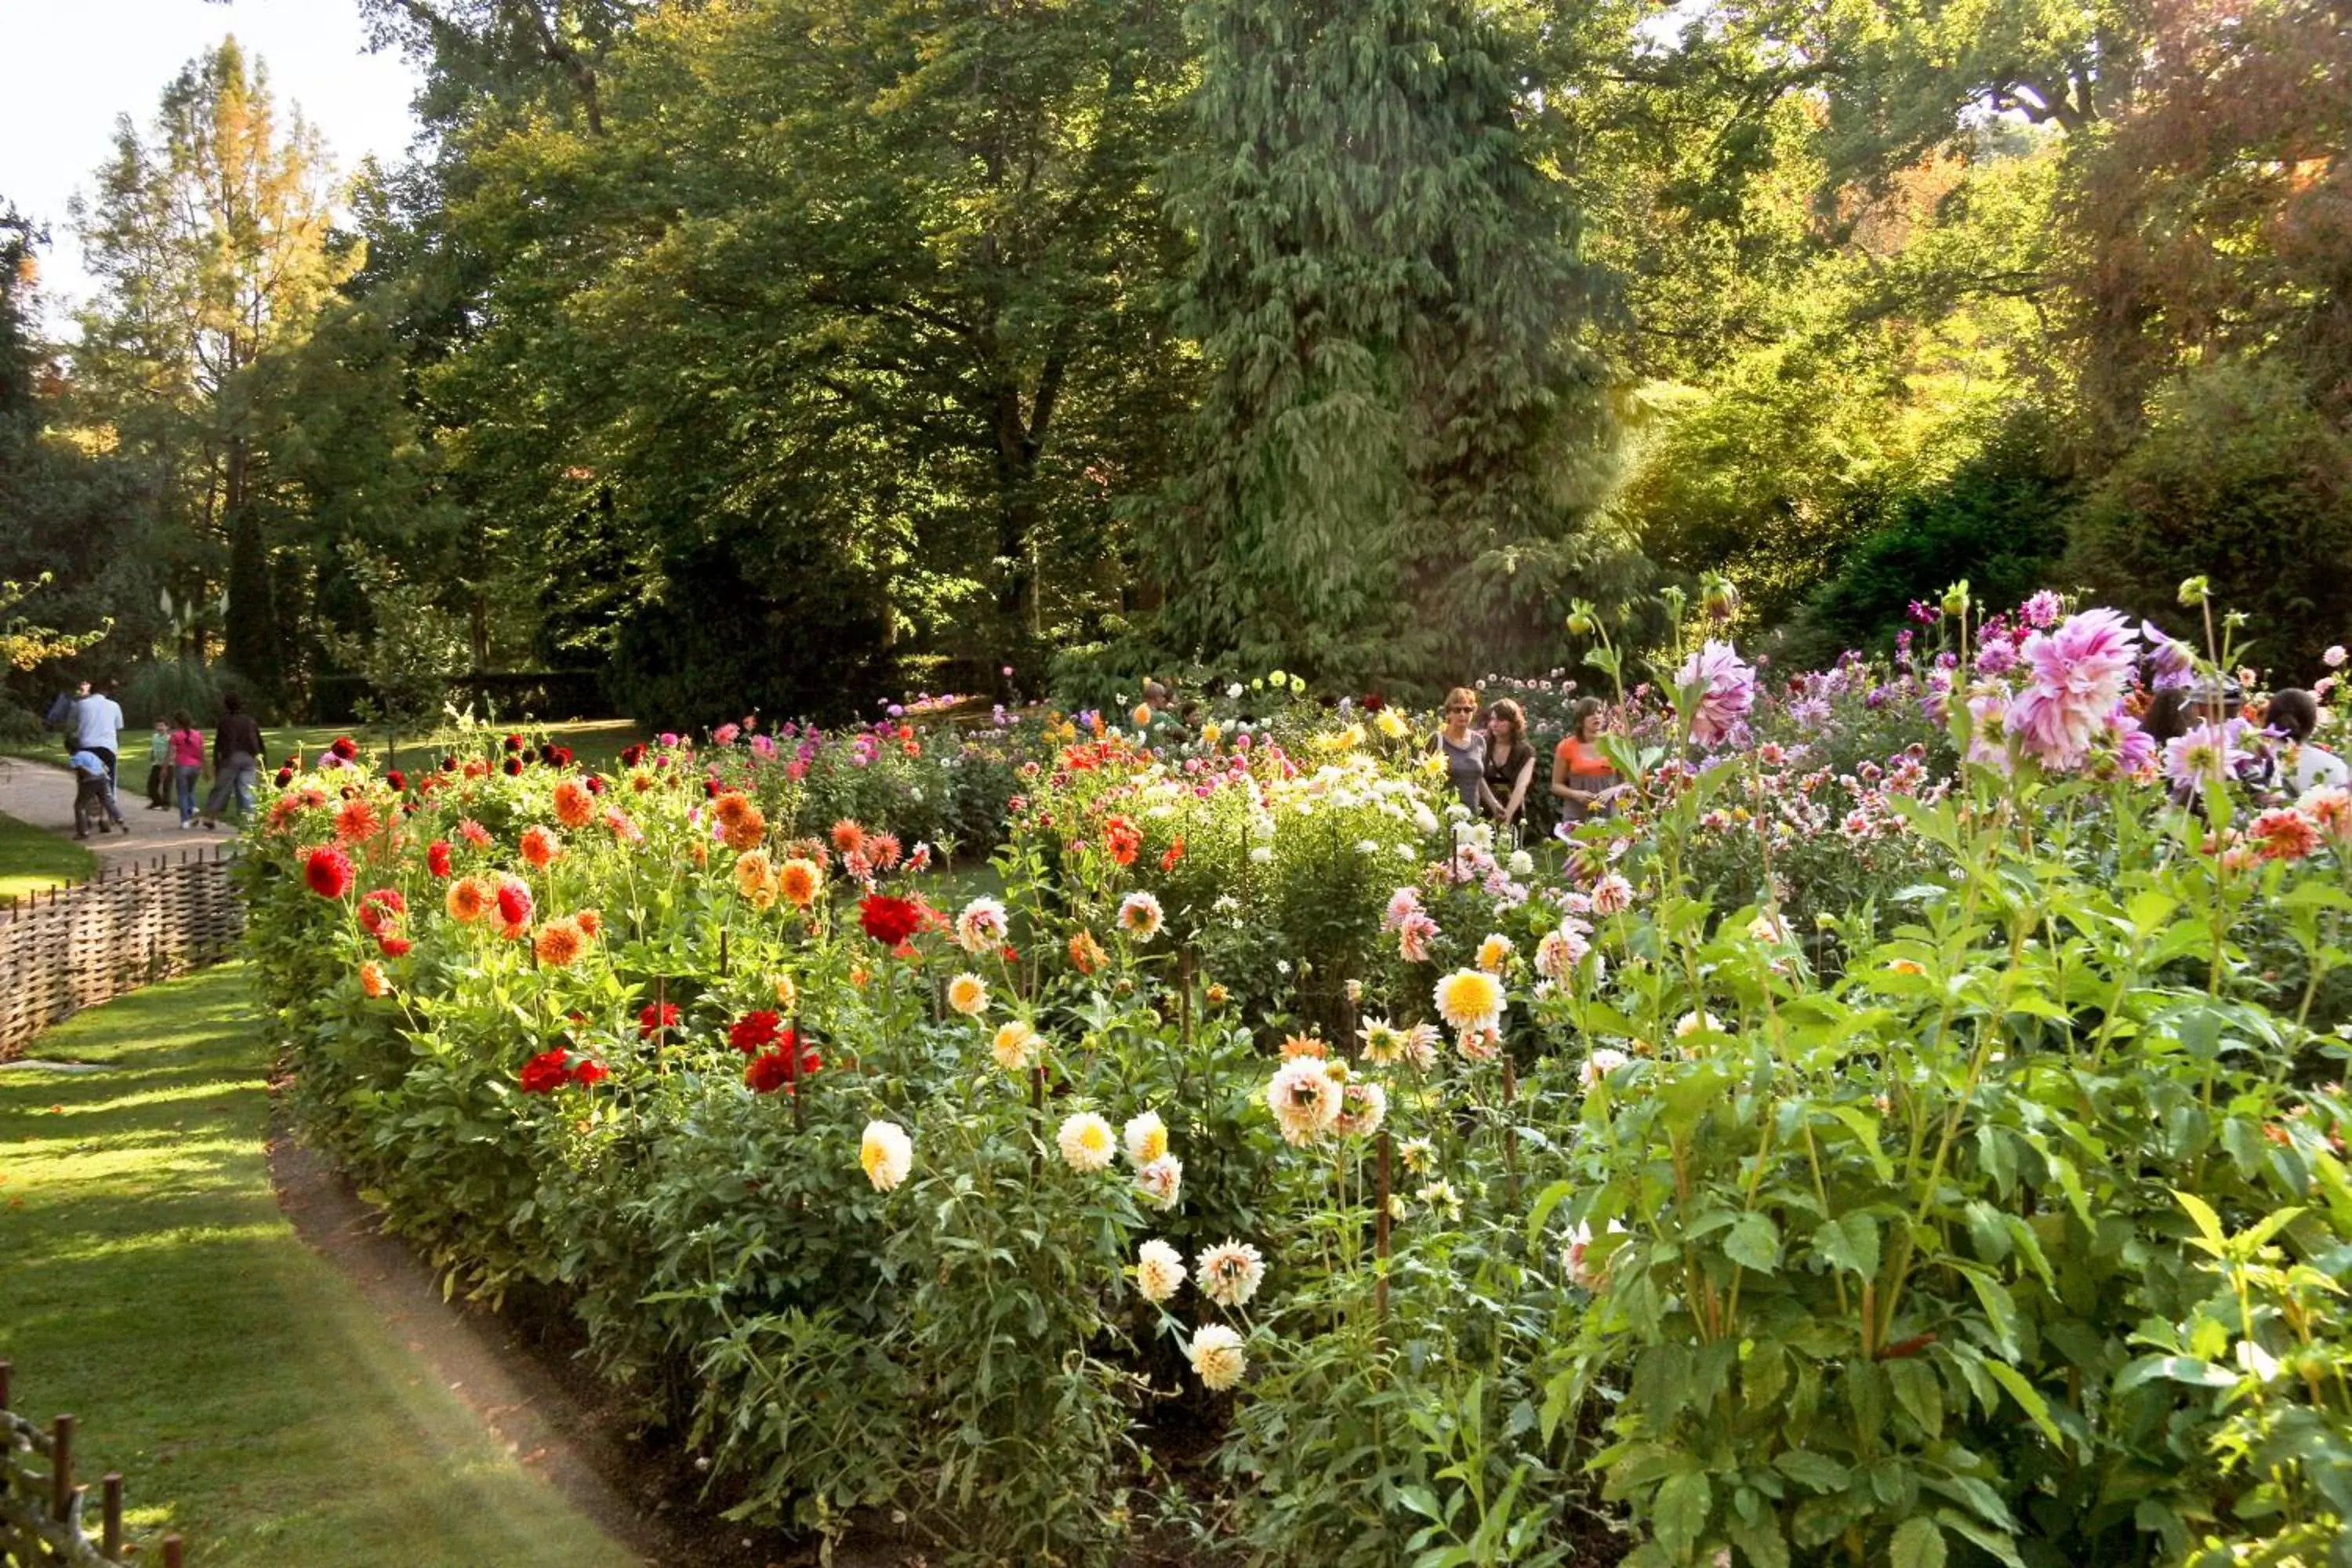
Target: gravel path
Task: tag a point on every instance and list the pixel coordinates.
(41, 793)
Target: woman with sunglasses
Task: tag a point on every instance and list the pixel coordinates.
(1464, 746)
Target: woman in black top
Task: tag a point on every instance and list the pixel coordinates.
(1510, 764)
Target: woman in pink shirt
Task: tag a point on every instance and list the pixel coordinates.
(187, 764)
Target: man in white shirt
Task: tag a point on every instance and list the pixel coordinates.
(97, 729)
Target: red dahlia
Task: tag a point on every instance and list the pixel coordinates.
(437, 858)
(888, 920)
(781, 1066)
(753, 1031)
(585, 1071)
(329, 871)
(514, 901)
(656, 1018)
(547, 1072)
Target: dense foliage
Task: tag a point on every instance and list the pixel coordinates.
(793, 352)
(1908, 1130)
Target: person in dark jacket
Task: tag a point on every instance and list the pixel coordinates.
(237, 757)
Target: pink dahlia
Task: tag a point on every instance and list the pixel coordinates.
(1726, 691)
(2080, 671)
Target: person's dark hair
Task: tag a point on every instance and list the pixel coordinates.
(1503, 708)
(1586, 707)
(179, 720)
(232, 704)
(2167, 718)
(2294, 712)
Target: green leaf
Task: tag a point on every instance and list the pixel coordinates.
(2208, 1223)
(1808, 1469)
(1754, 1243)
(2028, 1398)
(1759, 1542)
(2175, 1369)
(1683, 1504)
(1850, 1244)
(1918, 1545)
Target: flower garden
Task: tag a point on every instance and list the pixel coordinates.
(1909, 1132)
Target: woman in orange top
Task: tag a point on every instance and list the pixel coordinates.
(1580, 776)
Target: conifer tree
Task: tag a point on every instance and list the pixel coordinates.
(1387, 291)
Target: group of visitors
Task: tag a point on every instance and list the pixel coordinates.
(2294, 765)
(92, 724)
(1492, 764)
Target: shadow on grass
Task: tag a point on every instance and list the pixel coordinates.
(150, 1285)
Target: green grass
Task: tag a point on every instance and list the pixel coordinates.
(31, 859)
(150, 1285)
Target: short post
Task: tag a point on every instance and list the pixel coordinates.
(111, 1539)
(176, 1554)
(61, 1433)
(6, 1369)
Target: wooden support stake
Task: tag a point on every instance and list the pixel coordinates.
(61, 1433)
(1510, 1133)
(111, 1539)
(176, 1554)
(1380, 1235)
(6, 1369)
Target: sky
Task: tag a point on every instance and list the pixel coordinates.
(72, 66)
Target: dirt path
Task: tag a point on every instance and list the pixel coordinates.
(42, 794)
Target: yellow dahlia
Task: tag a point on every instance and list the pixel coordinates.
(888, 1154)
(968, 994)
(1217, 1356)
(1086, 1142)
(1146, 1137)
(755, 874)
(1015, 1045)
(1159, 1270)
(1495, 953)
(1470, 999)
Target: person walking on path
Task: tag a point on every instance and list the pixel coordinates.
(61, 718)
(237, 757)
(158, 766)
(187, 764)
(98, 730)
(93, 800)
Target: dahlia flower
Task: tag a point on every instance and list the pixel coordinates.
(886, 1154)
(328, 870)
(436, 859)
(1014, 1045)
(1413, 936)
(1364, 1105)
(1613, 895)
(2080, 671)
(514, 900)
(1470, 999)
(1161, 1180)
(1692, 1023)
(1403, 902)
(469, 899)
(1230, 1272)
(656, 1018)
(539, 846)
(546, 1072)
(1146, 1137)
(1599, 1065)
(980, 926)
(1305, 1099)
(1086, 1142)
(356, 820)
(373, 983)
(2284, 834)
(1159, 1270)
(1139, 916)
(755, 876)
(798, 881)
(888, 920)
(1559, 954)
(1576, 1258)
(1384, 1042)
(1217, 1356)
(559, 943)
(968, 994)
(1479, 1046)
(1495, 953)
(2208, 754)
(1726, 691)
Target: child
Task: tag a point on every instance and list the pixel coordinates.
(187, 764)
(158, 766)
(93, 801)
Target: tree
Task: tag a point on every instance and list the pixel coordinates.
(1387, 292)
(210, 240)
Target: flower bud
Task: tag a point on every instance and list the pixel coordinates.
(2194, 590)
(1955, 598)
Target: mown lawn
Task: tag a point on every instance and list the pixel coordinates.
(31, 859)
(150, 1285)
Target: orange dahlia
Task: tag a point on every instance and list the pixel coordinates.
(574, 806)
(357, 820)
(560, 943)
(733, 807)
(799, 882)
(746, 831)
(469, 899)
(848, 838)
(540, 846)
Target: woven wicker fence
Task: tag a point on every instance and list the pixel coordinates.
(126, 927)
